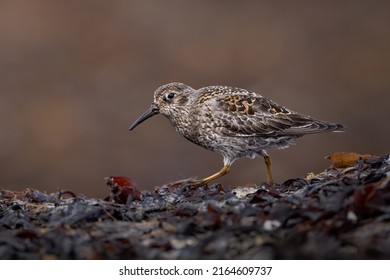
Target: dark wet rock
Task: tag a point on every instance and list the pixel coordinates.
(342, 213)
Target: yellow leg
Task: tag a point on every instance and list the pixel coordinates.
(268, 163)
(220, 173)
(210, 178)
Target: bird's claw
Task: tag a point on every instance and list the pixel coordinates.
(192, 184)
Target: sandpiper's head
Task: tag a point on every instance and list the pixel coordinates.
(169, 99)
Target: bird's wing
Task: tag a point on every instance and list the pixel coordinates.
(247, 114)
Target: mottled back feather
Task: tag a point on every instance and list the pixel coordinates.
(244, 113)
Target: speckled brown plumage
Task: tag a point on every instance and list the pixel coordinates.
(231, 121)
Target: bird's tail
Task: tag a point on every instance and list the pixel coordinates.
(311, 126)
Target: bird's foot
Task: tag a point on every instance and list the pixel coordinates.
(187, 184)
(193, 184)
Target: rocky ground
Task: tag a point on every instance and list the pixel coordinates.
(341, 213)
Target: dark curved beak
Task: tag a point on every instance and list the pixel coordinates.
(153, 110)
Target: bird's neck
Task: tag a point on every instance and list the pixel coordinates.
(180, 121)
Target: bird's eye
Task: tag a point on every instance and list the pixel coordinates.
(169, 96)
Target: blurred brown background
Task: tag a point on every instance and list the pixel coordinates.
(75, 74)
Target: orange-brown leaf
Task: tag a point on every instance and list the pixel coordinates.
(343, 160)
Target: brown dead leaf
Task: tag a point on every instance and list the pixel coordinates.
(343, 160)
